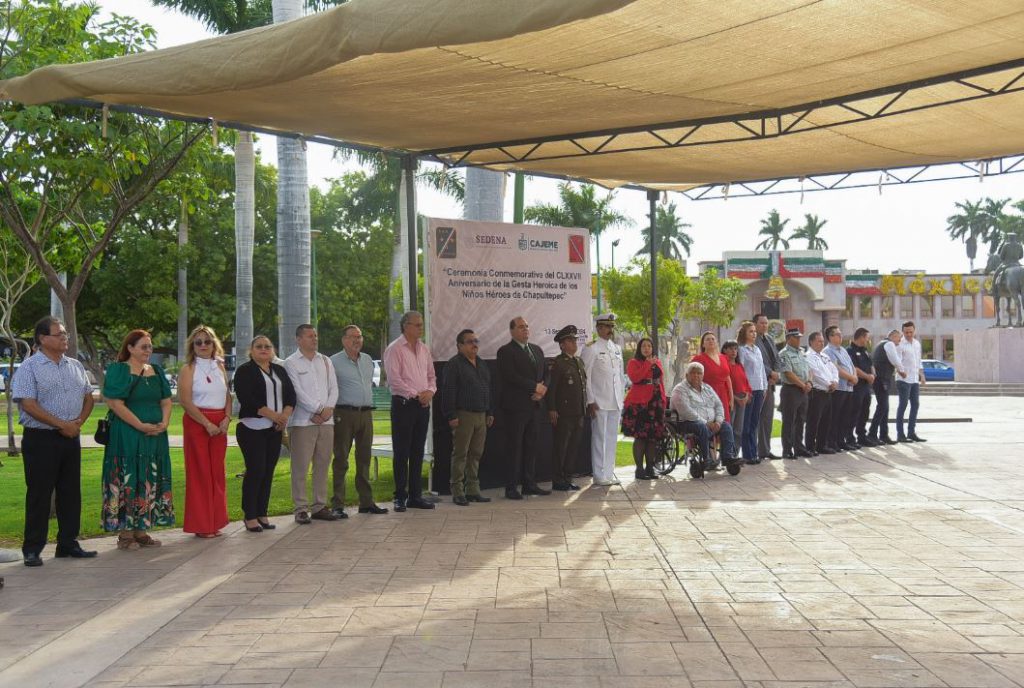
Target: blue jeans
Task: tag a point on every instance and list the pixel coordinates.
(751, 419)
(907, 392)
(703, 434)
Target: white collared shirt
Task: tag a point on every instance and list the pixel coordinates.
(606, 376)
(823, 371)
(316, 386)
(910, 360)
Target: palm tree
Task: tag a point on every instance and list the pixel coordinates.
(967, 225)
(772, 229)
(231, 16)
(673, 241)
(993, 220)
(810, 231)
(580, 209)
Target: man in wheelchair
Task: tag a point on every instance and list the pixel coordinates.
(701, 414)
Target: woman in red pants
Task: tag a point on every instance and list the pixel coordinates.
(203, 394)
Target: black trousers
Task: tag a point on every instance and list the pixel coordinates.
(409, 422)
(880, 421)
(260, 450)
(521, 448)
(842, 404)
(793, 402)
(53, 463)
(566, 448)
(860, 413)
(819, 418)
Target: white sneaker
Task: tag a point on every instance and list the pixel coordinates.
(615, 480)
(602, 483)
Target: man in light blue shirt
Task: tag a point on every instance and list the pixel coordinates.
(842, 399)
(55, 398)
(353, 421)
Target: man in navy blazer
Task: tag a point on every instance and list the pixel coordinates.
(521, 370)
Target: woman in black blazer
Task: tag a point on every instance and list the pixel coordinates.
(266, 399)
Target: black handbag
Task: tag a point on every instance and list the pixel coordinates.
(102, 435)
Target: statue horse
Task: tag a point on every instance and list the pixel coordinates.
(1008, 285)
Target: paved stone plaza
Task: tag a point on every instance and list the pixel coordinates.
(875, 569)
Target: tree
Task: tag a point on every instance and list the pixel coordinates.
(580, 209)
(673, 240)
(967, 225)
(17, 276)
(69, 177)
(629, 293)
(712, 300)
(772, 229)
(231, 16)
(993, 218)
(810, 232)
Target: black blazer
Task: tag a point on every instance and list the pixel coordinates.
(518, 376)
(251, 390)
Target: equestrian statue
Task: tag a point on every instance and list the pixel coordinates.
(1008, 280)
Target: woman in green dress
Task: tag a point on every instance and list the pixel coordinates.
(137, 460)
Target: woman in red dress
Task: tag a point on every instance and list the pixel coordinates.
(203, 394)
(643, 413)
(716, 370)
(740, 386)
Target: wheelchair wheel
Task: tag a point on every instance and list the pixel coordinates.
(734, 468)
(668, 455)
(697, 469)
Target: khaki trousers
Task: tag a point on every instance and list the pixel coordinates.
(352, 425)
(468, 440)
(310, 444)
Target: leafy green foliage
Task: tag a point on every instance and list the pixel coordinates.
(712, 300)
(810, 231)
(578, 208)
(772, 229)
(629, 292)
(673, 241)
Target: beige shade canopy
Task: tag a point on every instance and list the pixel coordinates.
(661, 93)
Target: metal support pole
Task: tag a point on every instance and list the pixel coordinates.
(409, 171)
(652, 199)
(518, 198)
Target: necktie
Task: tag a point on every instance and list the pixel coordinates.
(529, 352)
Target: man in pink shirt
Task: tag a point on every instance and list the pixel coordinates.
(410, 372)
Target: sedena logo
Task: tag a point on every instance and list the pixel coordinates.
(491, 240)
(446, 245)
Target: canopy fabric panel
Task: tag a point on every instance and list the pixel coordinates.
(661, 93)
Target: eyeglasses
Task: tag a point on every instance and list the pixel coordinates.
(62, 334)
(203, 342)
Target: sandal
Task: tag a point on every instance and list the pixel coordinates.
(145, 540)
(127, 541)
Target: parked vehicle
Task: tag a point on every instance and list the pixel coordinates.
(4, 372)
(937, 371)
(377, 367)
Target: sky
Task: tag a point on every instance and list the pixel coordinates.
(903, 227)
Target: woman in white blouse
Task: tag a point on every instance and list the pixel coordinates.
(203, 394)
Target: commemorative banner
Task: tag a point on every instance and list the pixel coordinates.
(480, 275)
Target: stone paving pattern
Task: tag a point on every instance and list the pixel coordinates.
(902, 567)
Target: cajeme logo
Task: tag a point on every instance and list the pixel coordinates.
(536, 244)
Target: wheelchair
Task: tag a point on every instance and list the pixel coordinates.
(682, 448)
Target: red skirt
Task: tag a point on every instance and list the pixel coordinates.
(206, 504)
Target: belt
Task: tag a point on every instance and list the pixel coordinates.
(346, 407)
(403, 400)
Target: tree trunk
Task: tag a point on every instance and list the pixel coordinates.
(56, 310)
(245, 231)
(293, 249)
(182, 282)
(12, 445)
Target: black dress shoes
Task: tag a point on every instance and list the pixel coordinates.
(641, 474)
(419, 503)
(460, 500)
(478, 498)
(374, 509)
(33, 560)
(266, 525)
(536, 490)
(803, 453)
(902, 439)
(867, 442)
(914, 438)
(561, 487)
(788, 455)
(826, 450)
(887, 440)
(773, 457)
(512, 494)
(399, 505)
(75, 552)
(339, 512)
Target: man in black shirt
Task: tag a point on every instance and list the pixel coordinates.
(466, 403)
(861, 404)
